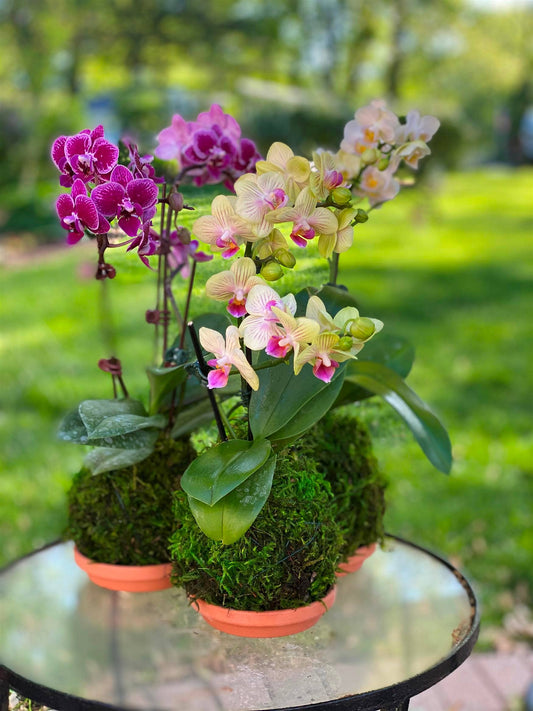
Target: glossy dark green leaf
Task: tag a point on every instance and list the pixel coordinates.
(140, 439)
(425, 426)
(392, 351)
(93, 412)
(123, 424)
(222, 468)
(197, 414)
(105, 459)
(232, 516)
(285, 400)
(72, 428)
(162, 382)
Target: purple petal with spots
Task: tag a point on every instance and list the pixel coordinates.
(129, 224)
(143, 191)
(107, 198)
(58, 151)
(78, 188)
(105, 155)
(203, 142)
(103, 226)
(64, 206)
(97, 132)
(87, 212)
(74, 237)
(75, 146)
(121, 175)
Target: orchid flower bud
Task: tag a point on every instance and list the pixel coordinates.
(362, 328)
(175, 200)
(345, 343)
(370, 155)
(361, 216)
(271, 271)
(285, 258)
(341, 196)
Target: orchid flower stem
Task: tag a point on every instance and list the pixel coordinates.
(227, 423)
(159, 270)
(187, 303)
(334, 268)
(204, 369)
(165, 242)
(249, 249)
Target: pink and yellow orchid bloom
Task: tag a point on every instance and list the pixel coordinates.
(342, 239)
(223, 229)
(227, 353)
(294, 333)
(326, 176)
(294, 169)
(234, 284)
(257, 196)
(319, 353)
(261, 324)
(309, 220)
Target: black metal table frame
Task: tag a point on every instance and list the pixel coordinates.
(390, 698)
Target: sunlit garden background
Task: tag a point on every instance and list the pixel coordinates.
(448, 264)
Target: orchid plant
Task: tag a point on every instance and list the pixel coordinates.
(279, 361)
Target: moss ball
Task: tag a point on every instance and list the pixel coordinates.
(342, 448)
(125, 516)
(286, 559)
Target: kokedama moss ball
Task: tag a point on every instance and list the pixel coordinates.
(342, 448)
(125, 516)
(286, 559)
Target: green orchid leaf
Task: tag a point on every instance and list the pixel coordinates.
(72, 428)
(425, 426)
(163, 381)
(191, 416)
(105, 459)
(93, 412)
(140, 439)
(123, 424)
(232, 516)
(394, 352)
(285, 400)
(222, 468)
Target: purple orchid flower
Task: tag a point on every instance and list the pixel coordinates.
(140, 166)
(213, 151)
(147, 244)
(87, 156)
(78, 212)
(183, 252)
(132, 200)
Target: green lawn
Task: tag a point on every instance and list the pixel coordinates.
(450, 268)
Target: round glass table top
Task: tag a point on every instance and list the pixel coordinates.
(405, 620)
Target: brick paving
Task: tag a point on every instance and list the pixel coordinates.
(493, 681)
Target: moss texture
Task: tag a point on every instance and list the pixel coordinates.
(125, 516)
(286, 559)
(342, 449)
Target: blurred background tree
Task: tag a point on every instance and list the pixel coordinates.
(291, 70)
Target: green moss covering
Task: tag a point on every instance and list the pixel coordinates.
(286, 559)
(342, 448)
(125, 516)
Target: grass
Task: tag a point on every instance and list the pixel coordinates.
(450, 267)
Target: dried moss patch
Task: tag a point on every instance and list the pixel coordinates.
(342, 448)
(286, 559)
(125, 516)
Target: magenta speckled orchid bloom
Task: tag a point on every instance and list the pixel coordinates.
(87, 156)
(78, 212)
(132, 200)
(183, 253)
